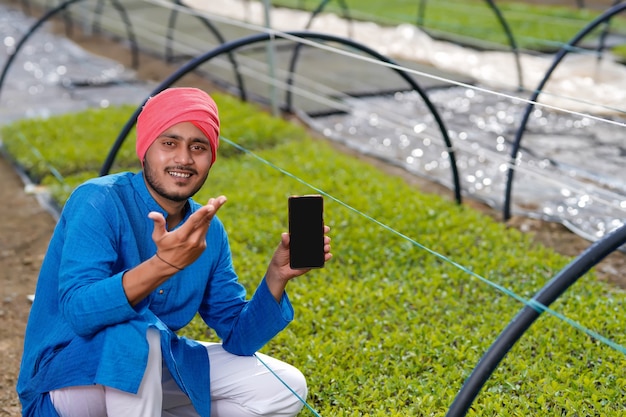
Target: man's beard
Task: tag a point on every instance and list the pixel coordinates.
(151, 179)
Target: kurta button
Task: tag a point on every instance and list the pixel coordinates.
(160, 291)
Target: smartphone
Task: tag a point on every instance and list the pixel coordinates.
(306, 231)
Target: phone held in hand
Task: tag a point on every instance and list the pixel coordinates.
(306, 231)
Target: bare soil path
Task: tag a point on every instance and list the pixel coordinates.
(25, 229)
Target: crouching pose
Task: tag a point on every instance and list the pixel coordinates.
(132, 260)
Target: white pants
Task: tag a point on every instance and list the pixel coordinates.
(240, 386)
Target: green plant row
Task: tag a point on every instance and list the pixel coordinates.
(387, 328)
(538, 27)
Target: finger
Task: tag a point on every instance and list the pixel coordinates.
(211, 207)
(326, 229)
(201, 218)
(159, 225)
(214, 204)
(158, 219)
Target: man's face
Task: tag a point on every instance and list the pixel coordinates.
(177, 163)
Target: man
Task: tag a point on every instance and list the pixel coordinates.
(132, 260)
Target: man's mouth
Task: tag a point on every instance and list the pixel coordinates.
(178, 174)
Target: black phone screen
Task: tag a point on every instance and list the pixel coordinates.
(306, 231)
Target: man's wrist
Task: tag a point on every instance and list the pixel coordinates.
(167, 262)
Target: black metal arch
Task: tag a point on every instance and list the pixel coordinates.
(263, 37)
(605, 33)
(96, 26)
(420, 20)
(421, 11)
(169, 57)
(171, 26)
(525, 318)
(506, 211)
(320, 7)
(131, 35)
(414, 85)
(49, 14)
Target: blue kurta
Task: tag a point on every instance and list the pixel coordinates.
(83, 331)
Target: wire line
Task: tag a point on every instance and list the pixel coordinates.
(302, 400)
(537, 306)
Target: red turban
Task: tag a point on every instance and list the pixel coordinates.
(176, 105)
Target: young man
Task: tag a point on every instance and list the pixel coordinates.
(132, 260)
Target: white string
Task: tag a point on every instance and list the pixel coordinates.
(329, 48)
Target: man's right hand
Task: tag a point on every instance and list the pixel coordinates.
(175, 251)
(183, 246)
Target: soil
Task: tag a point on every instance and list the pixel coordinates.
(27, 225)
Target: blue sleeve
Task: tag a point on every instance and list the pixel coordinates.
(260, 320)
(244, 326)
(91, 295)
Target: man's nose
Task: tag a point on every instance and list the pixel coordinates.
(183, 156)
